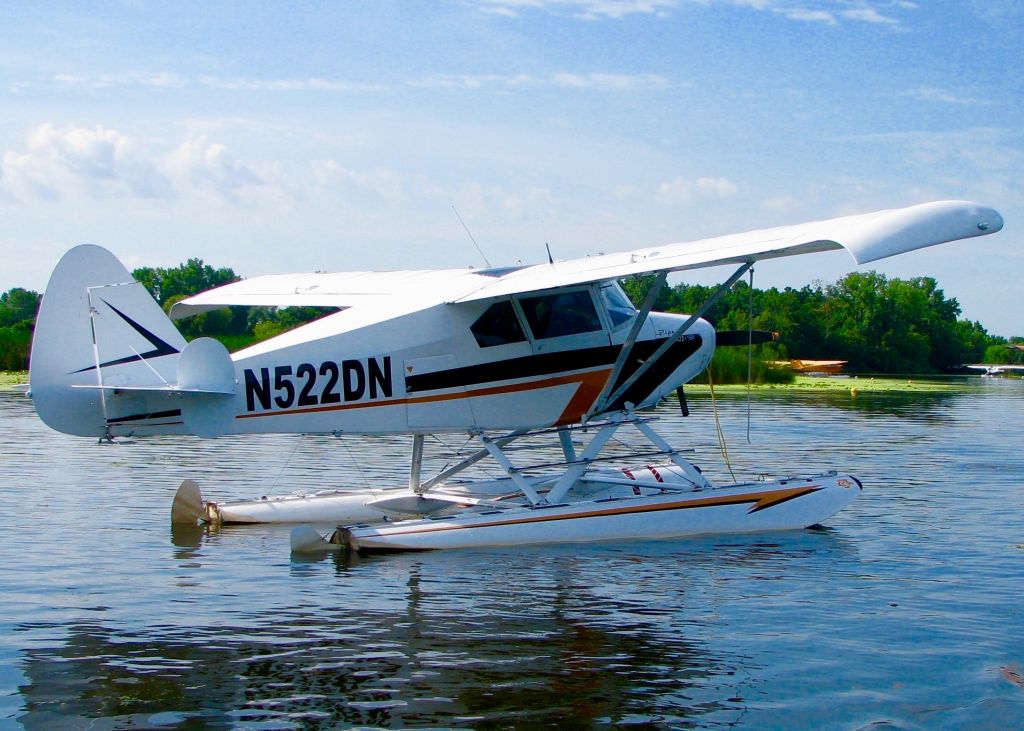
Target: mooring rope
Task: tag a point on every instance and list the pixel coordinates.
(347, 451)
(718, 428)
(275, 482)
(750, 343)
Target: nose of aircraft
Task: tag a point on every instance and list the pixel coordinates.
(683, 361)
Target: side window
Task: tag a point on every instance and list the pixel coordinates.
(566, 313)
(498, 326)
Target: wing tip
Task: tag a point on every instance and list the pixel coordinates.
(900, 230)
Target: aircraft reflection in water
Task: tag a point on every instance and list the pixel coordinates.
(538, 656)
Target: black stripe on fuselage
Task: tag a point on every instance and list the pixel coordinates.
(140, 417)
(547, 364)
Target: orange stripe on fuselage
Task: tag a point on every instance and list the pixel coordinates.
(589, 387)
(588, 391)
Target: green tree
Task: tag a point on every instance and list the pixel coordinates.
(876, 323)
(974, 340)
(169, 285)
(15, 342)
(183, 280)
(19, 305)
(18, 310)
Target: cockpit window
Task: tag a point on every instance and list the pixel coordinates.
(620, 309)
(565, 313)
(498, 326)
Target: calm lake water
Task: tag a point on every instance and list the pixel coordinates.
(905, 612)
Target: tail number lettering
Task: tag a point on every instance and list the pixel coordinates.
(307, 385)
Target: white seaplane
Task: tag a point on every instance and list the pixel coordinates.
(993, 370)
(554, 350)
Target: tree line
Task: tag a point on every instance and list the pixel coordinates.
(877, 323)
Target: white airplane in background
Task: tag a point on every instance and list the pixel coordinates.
(995, 370)
(552, 350)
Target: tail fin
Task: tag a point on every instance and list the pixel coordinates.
(101, 346)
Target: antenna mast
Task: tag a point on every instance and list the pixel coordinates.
(482, 255)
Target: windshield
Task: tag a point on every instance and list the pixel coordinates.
(620, 309)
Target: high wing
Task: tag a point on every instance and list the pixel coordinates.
(414, 288)
(868, 237)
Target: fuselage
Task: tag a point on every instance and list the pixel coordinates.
(106, 361)
(511, 363)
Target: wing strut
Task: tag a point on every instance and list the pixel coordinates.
(708, 304)
(416, 463)
(469, 461)
(634, 333)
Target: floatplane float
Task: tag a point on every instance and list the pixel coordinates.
(552, 351)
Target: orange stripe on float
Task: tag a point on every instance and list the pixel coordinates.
(760, 500)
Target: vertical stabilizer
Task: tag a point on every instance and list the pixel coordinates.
(97, 330)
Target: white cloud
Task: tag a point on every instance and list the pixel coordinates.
(533, 204)
(470, 81)
(199, 162)
(829, 12)
(308, 84)
(593, 81)
(172, 80)
(385, 184)
(156, 79)
(587, 9)
(813, 16)
(780, 203)
(610, 82)
(989, 157)
(717, 187)
(933, 94)
(99, 162)
(868, 14)
(681, 190)
(479, 202)
(166, 80)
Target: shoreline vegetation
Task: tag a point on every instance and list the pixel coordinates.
(10, 379)
(854, 384)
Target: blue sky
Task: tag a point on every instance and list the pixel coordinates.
(277, 137)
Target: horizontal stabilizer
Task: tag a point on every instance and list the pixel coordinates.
(169, 388)
(206, 379)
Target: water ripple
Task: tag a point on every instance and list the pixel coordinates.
(900, 614)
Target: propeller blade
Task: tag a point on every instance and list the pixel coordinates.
(726, 338)
(683, 407)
